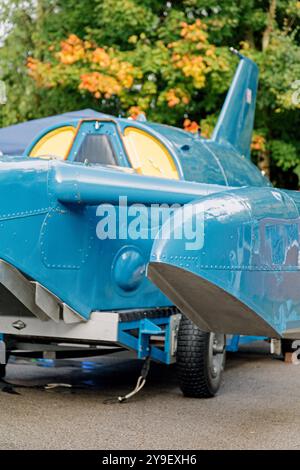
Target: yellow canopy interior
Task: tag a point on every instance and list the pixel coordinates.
(148, 156)
(56, 143)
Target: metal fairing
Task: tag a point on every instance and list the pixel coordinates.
(245, 277)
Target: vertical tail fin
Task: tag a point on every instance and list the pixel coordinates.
(235, 123)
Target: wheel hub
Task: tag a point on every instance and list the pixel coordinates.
(216, 353)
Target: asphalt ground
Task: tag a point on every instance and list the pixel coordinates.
(258, 406)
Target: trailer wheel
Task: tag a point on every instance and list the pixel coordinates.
(200, 360)
(3, 366)
(2, 371)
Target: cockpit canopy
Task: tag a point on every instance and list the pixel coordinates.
(146, 148)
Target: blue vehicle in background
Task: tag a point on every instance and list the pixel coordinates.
(62, 286)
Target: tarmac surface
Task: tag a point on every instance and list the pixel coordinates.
(258, 406)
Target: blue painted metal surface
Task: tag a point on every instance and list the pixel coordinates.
(48, 230)
(235, 123)
(249, 260)
(234, 341)
(141, 343)
(243, 279)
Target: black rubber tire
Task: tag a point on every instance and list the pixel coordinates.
(2, 371)
(194, 367)
(286, 346)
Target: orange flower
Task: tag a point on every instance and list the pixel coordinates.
(172, 99)
(40, 72)
(135, 112)
(194, 32)
(176, 96)
(190, 126)
(99, 84)
(258, 143)
(32, 63)
(72, 50)
(100, 57)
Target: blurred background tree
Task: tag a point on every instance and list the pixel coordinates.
(168, 59)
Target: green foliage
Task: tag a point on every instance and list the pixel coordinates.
(284, 154)
(115, 22)
(148, 34)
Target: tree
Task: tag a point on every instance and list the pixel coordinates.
(168, 59)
